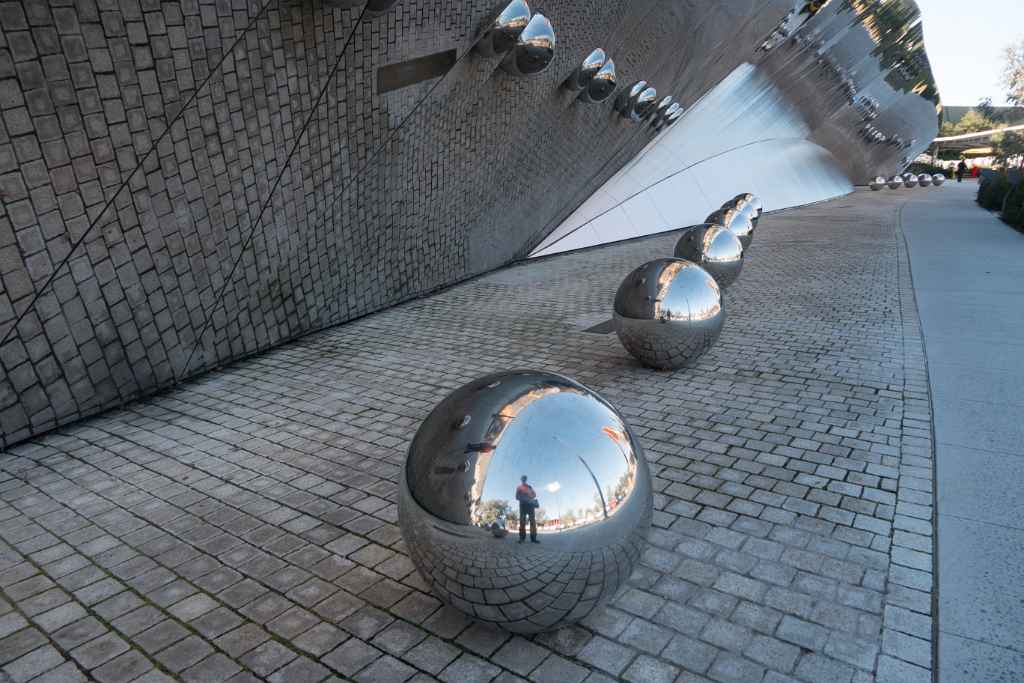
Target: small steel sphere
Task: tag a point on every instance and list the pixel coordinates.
(938, 179)
(465, 503)
(601, 86)
(504, 31)
(878, 183)
(668, 312)
(924, 180)
(895, 182)
(910, 180)
(907, 176)
(751, 202)
(586, 71)
(715, 249)
(738, 221)
(534, 49)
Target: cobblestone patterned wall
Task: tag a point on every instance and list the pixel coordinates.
(188, 182)
(245, 523)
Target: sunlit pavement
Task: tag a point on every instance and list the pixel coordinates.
(243, 526)
(968, 272)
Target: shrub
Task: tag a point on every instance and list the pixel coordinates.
(992, 191)
(1013, 209)
(917, 168)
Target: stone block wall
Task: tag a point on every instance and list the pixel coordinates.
(188, 182)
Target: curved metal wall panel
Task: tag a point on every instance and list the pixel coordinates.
(743, 136)
(185, 184)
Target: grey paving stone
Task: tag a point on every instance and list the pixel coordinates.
(647, 669)
(607, 655)
(556, 669)
(820, 408)
(351, 656)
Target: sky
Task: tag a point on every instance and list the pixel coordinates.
(965, 42)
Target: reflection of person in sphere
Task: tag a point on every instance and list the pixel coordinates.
(527, 498)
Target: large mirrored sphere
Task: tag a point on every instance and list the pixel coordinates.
(895, 182)
(924, 180)
(534, 49)
(739, 222)
(668, 313)
(878, 183)
(938, 179)
(910, 180)
(715, 249)
(459, 493)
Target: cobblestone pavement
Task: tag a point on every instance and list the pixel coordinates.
(243, 526)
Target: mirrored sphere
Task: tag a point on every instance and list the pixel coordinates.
(938, 179)
(907, 176)
(586, 71)
(459, 494)
(910, 181)
(661, 109)
(668, 312)
(924, 180)
(715, 249)
(601, 86)
(645, 104)
(895, 182)
(504, 31)
(878, 183)
(534, 50)
(738, 222)
(749, 201)
(624, 102)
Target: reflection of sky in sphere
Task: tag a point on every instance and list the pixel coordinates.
(546, 441)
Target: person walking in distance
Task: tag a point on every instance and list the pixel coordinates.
(961, 169)
(527, 498)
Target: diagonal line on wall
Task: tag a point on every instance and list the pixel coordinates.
(170, 125)
(339, 195)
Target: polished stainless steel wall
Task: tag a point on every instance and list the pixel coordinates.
(187, 183)
(832, 99)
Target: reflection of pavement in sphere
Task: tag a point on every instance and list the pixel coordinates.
(462, 477)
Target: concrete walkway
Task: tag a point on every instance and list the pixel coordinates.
(968, 273)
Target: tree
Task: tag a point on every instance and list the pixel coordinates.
(972, 122)
(1009, 149)
(1013, 73)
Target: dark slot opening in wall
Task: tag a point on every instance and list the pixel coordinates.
(404, 74)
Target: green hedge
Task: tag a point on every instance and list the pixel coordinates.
(992, 191)
(931, 169)
(1013, 210)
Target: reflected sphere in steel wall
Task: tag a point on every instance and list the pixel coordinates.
(504, 31)
(910, 180)
(715, 249)
(534, 49)
(601, 86)
(668, 312)
(878, 183)
(924, 180)
(938, 179)
(748, 202)
(587, 70)
(545, 459)
(739, 222)
(895, 182)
